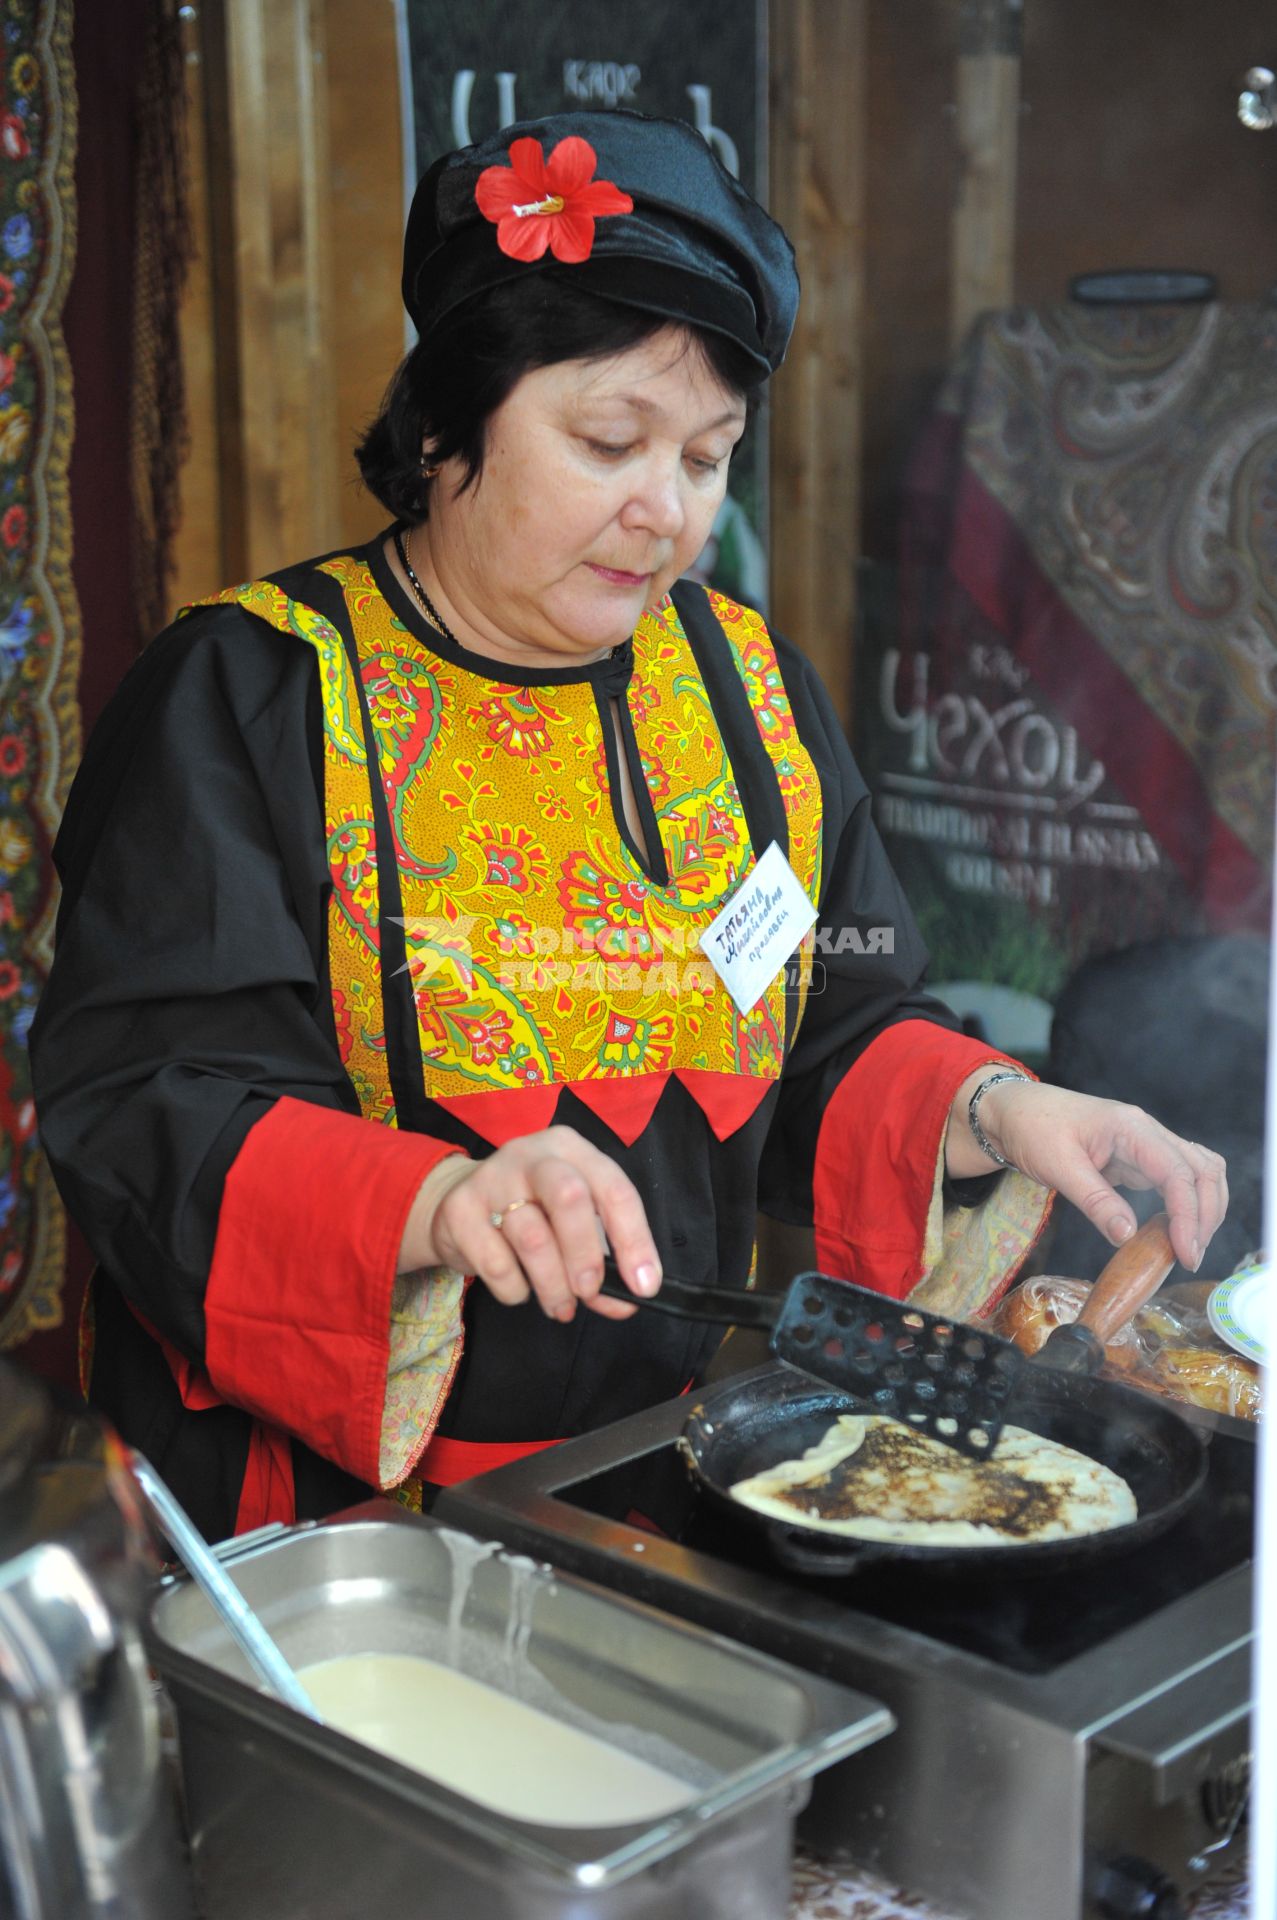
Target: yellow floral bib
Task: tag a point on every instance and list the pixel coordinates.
(540, 952)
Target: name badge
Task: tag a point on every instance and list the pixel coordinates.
(749, 940)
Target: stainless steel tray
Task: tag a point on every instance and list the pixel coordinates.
(293, 1821)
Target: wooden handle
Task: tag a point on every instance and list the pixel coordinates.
(1131, 1277)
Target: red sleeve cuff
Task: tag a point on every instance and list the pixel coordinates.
(298, 1304)
(877, 1150)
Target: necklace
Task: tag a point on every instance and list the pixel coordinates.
(431, 610)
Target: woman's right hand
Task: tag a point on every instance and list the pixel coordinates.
(557, 1197)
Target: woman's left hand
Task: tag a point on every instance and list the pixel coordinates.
(1085, 1148)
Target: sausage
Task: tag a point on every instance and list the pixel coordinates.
(1131, 1277)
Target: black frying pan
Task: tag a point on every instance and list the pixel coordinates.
(751, 1424)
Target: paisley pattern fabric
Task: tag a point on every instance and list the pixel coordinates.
(964, 1248)
(1069, 687)
(425, 1352)
(1136, 450)
(39, 617)
(541, 953)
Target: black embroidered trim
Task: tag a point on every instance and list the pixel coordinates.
(404, 1065)
(761, 799)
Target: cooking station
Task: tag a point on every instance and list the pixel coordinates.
(1070, 1746)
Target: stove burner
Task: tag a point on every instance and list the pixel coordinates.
(1050, 1728)
(1028, 1623)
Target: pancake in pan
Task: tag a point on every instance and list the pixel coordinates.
(874, 1479)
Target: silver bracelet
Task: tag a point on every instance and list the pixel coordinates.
(977, 1131)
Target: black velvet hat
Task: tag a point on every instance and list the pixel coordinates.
(648, 218)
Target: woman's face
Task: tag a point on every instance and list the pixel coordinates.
(600, 483)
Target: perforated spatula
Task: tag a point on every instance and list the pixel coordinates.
(942, 1377)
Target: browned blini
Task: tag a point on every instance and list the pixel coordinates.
(873, 1479)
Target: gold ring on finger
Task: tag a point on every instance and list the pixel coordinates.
(498, 1219)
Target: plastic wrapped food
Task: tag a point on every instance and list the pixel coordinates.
(1033, 1310)
(1169, 1347)
(1222, 1381)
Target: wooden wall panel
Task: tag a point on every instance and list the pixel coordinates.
(292, 321)
(986, 120)
(911, 194)
(1131, 152)
(367, 220)
(1128, 151)
(260, 302)
(198, 559)
(818, 112)
(280, 200)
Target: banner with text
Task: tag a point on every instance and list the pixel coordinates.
(1019, 853)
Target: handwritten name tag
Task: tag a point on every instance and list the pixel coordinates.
(749, 941)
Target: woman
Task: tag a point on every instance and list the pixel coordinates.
(386, 879)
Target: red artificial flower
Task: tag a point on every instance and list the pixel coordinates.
(537, 203)
(13, 755)
(13, 528)
(10, 979)
(6, 293)
(13, 138)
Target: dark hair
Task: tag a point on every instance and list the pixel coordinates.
(450, 385)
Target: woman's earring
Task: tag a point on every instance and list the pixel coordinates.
(429, 472)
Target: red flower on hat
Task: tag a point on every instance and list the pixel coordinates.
(537, 203)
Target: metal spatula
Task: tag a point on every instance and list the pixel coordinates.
(942, 1377)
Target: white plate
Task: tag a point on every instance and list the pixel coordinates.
(1239, 1311)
